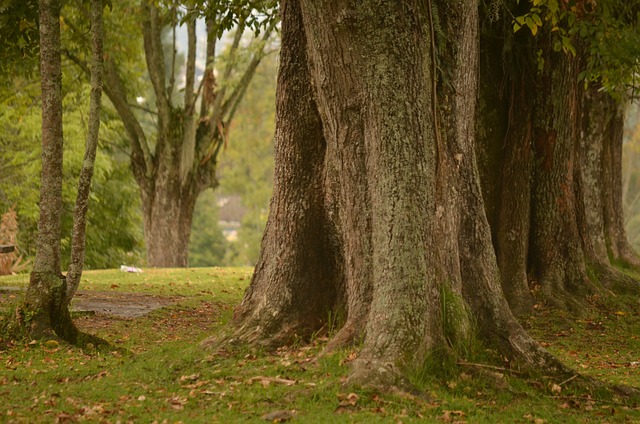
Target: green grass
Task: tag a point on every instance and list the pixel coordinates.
(171, 377)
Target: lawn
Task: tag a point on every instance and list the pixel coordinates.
(169, 377)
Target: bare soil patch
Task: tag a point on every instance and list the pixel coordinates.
(115, 304)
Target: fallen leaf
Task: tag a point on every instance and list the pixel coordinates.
(265, 381)
(278, 416)
(191, 377)
(555, 388)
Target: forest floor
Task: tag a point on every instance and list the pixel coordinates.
(161, 316)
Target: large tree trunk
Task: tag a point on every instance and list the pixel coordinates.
(504, 132)
(558, 258)
(377, 205)
(168, 202)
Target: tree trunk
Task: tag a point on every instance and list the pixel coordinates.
(559, 261)
(46, 292)
(555, 187)
(377, 205)
(505, 145)
(168, 202)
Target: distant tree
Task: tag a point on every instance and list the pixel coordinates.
(176, 159)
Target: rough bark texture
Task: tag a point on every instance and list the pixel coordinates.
(505, 148)
(549, 202)
(46, 292)
(377, 206)
(558, 258)
(296, 280)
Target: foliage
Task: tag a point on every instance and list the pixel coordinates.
(169, 377)
(608, 28)
(207, 245)
(114, 199)
(256, 14)
(246, 166)
(19, 37)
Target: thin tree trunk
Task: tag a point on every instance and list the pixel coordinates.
(86, 173)
(45, 311)
(46, 290)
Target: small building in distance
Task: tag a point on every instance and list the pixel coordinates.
(230, 213)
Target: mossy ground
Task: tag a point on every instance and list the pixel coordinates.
(170, 378)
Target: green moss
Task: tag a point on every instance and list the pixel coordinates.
(457, 321)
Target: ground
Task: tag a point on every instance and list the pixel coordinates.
(169, 377)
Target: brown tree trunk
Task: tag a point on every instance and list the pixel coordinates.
(377, 205)
(45, 298)
(168, 203)
(505, 146)
(558, 259)
(555, 187)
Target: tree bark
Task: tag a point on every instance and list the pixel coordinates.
(619, 248)
(377, 205)
(45, 311)
(555, 188)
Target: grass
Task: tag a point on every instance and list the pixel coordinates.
(170, 378)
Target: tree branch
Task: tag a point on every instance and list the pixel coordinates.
(189, 130)
(172, 79)
(231, 104)
(155, 59)
(209, 79)
(216, 111)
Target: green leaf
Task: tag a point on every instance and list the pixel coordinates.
(536, 19)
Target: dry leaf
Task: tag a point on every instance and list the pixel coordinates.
(278, 416)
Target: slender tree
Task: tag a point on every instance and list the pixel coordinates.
(45, 311)
(377, 213)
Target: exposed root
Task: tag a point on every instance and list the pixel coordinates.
(344, 338)
(384, 376)
(616, 280)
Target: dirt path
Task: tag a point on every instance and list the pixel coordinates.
(115, 304)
